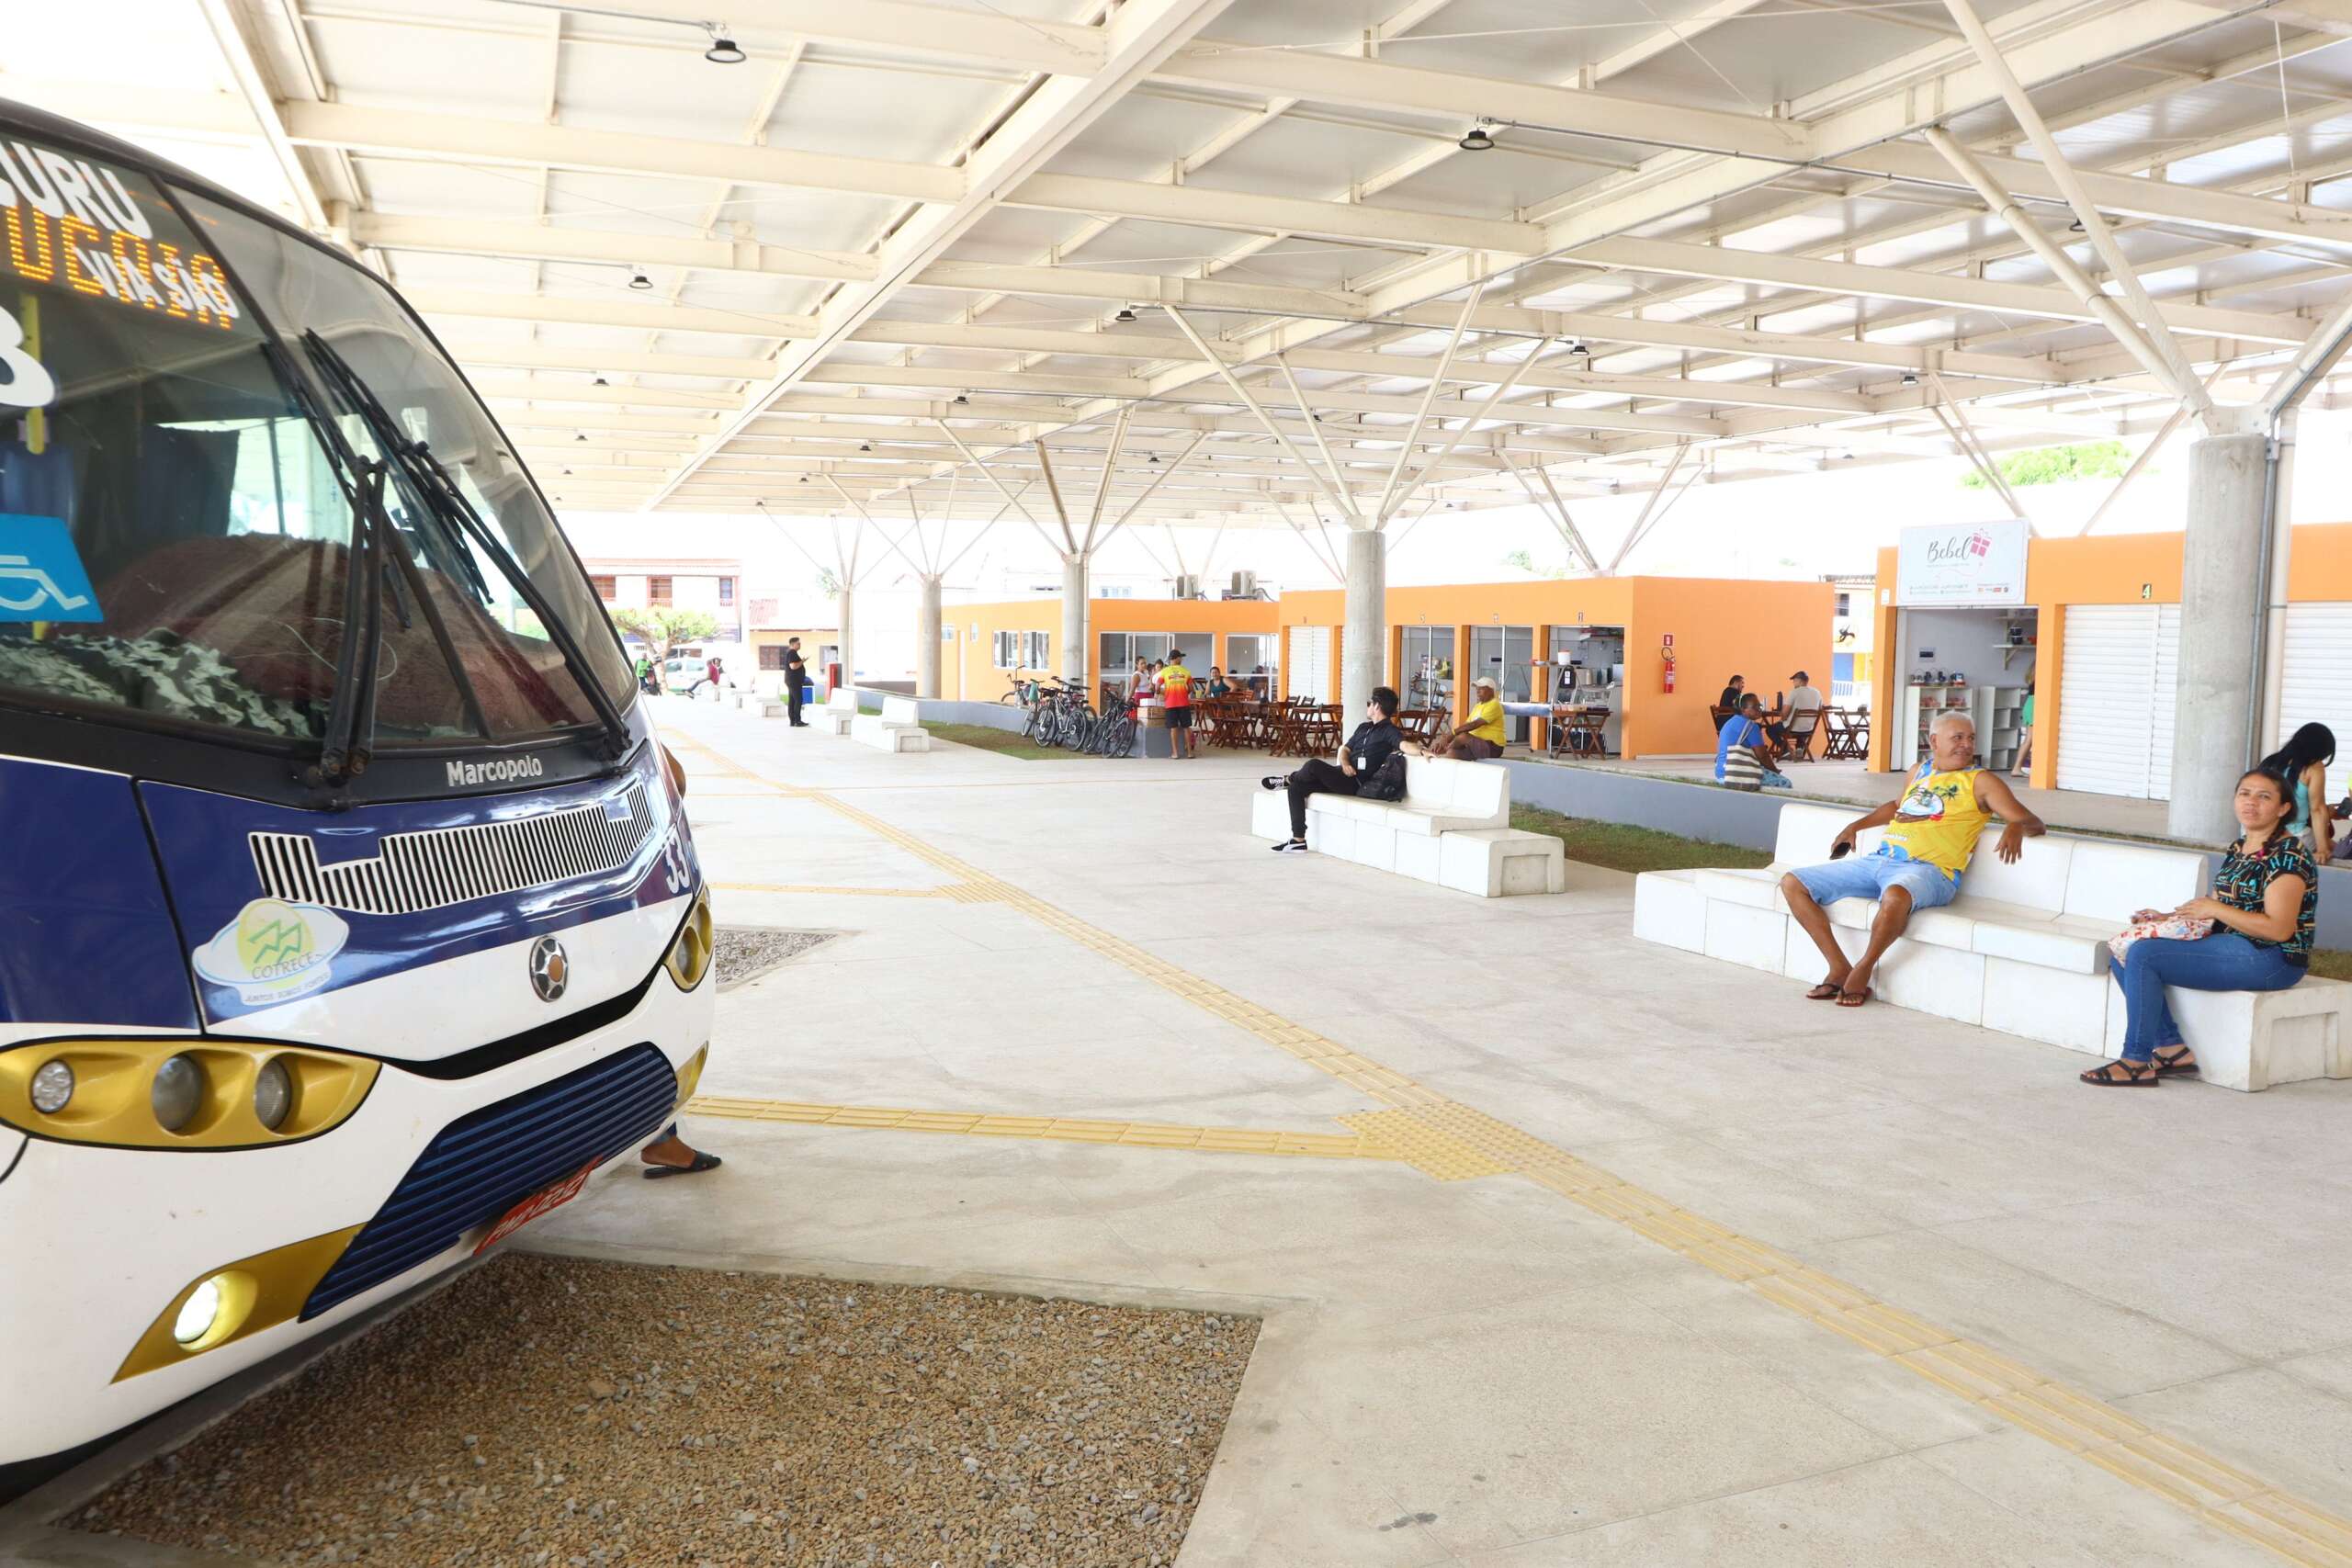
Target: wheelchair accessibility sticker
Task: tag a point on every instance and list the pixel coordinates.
(41, 576)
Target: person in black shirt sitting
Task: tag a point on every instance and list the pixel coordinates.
(1374, 742)
(795, 670)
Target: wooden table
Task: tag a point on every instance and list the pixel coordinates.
(1849, 734)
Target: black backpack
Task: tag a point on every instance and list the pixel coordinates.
(1387, 782)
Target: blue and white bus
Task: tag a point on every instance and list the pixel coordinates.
(348, 915)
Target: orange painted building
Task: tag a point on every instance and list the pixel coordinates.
(994, 642)
(1715, 628)
(2120, 570)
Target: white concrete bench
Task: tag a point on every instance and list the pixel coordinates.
(2023, 949)
(761, 705)
(841, 709)
(897, 727)
(1452, 828)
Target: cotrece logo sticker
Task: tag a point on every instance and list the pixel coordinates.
(274, 950)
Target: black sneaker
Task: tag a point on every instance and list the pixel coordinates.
(1291, 846)
(1272, 781)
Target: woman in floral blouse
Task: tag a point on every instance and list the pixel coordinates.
(2264, 909)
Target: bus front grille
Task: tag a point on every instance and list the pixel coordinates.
(487, 1160)
(435, 867)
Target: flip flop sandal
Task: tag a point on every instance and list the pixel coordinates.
(2137, 1075)
(1855, 998)
(1823, 992)
(2173, 1067)
(702, 1162)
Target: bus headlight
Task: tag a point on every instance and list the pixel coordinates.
(689, 958)
(53, 1088)
(170, 1092)
(229, 1301)
(178, 1093)
(273, 1094)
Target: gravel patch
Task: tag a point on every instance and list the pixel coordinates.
(743, 954)
(549, 1410)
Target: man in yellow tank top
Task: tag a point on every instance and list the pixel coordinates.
(1931, 832)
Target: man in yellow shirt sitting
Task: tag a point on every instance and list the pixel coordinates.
(1480, 737)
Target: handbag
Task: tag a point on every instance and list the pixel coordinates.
(2167, 928)
(1387, 782)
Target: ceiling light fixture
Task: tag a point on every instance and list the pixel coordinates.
(1476, 139)
(1910, 378)
(962, 398)
(2076, 227)
(600, 381)
(1127, 313)
(723, 50)
(865, 446)
(580, 436)
(1578, 351)
(638, 281)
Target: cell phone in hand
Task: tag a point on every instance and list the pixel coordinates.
(1841, 848)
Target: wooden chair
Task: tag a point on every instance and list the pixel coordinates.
(1800, 732)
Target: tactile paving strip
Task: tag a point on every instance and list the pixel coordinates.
(1454, 1141)
(1059, 1129)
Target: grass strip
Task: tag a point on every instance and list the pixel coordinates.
(1623, 847)
(1004, 742)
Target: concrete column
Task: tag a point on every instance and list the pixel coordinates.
(1073, 659)
(2274, 612)
(927, 639)
(1363, 639)
(845, 613)
(2220, 605)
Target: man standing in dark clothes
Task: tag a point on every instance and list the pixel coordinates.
(795, 670)
(1374, 742)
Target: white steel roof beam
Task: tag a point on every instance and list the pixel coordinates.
(2184, 382)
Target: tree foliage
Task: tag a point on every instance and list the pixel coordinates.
(665, 628)
(2057, 465)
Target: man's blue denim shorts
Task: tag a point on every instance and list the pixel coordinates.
(1869, 876)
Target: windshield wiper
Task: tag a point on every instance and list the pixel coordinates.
(349, 740)
(430, 481)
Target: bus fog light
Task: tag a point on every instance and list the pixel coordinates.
(53, 1088)
(198, 1312)
(273, 1094)
(178, 1093)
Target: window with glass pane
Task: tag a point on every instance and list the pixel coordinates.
(172, 533)
(657, 590)
(726, 592)
(469, 603)
(1036, 651)
(1427, 668)
(603, 587)
(1005, 649)
(1251, 658)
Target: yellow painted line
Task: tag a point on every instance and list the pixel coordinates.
(1055, 1129)
(1454, 1142)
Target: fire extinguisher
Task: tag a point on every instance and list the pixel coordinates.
(1669, 674)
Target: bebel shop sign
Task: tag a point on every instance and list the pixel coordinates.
(504, 771)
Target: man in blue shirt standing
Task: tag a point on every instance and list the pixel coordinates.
(1743, 756)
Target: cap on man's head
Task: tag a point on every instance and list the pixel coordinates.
(1485, 683)
(1175, 653)
(1800, 675)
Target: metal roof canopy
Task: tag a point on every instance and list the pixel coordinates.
(1234, 263)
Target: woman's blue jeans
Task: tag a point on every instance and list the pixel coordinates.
(2222, 962)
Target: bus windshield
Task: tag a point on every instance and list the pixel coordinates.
(178, 491)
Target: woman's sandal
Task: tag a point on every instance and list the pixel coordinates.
(2136, 1074)
(1826, 991)
(702, 1162)
(2172, 1067)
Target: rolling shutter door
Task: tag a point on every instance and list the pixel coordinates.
(2108, 698)
(2317, 687)
(1309, 675)
(2163, 702)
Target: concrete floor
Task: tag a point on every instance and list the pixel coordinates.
(1507, 1370)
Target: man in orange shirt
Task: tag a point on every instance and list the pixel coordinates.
(1176, 694)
